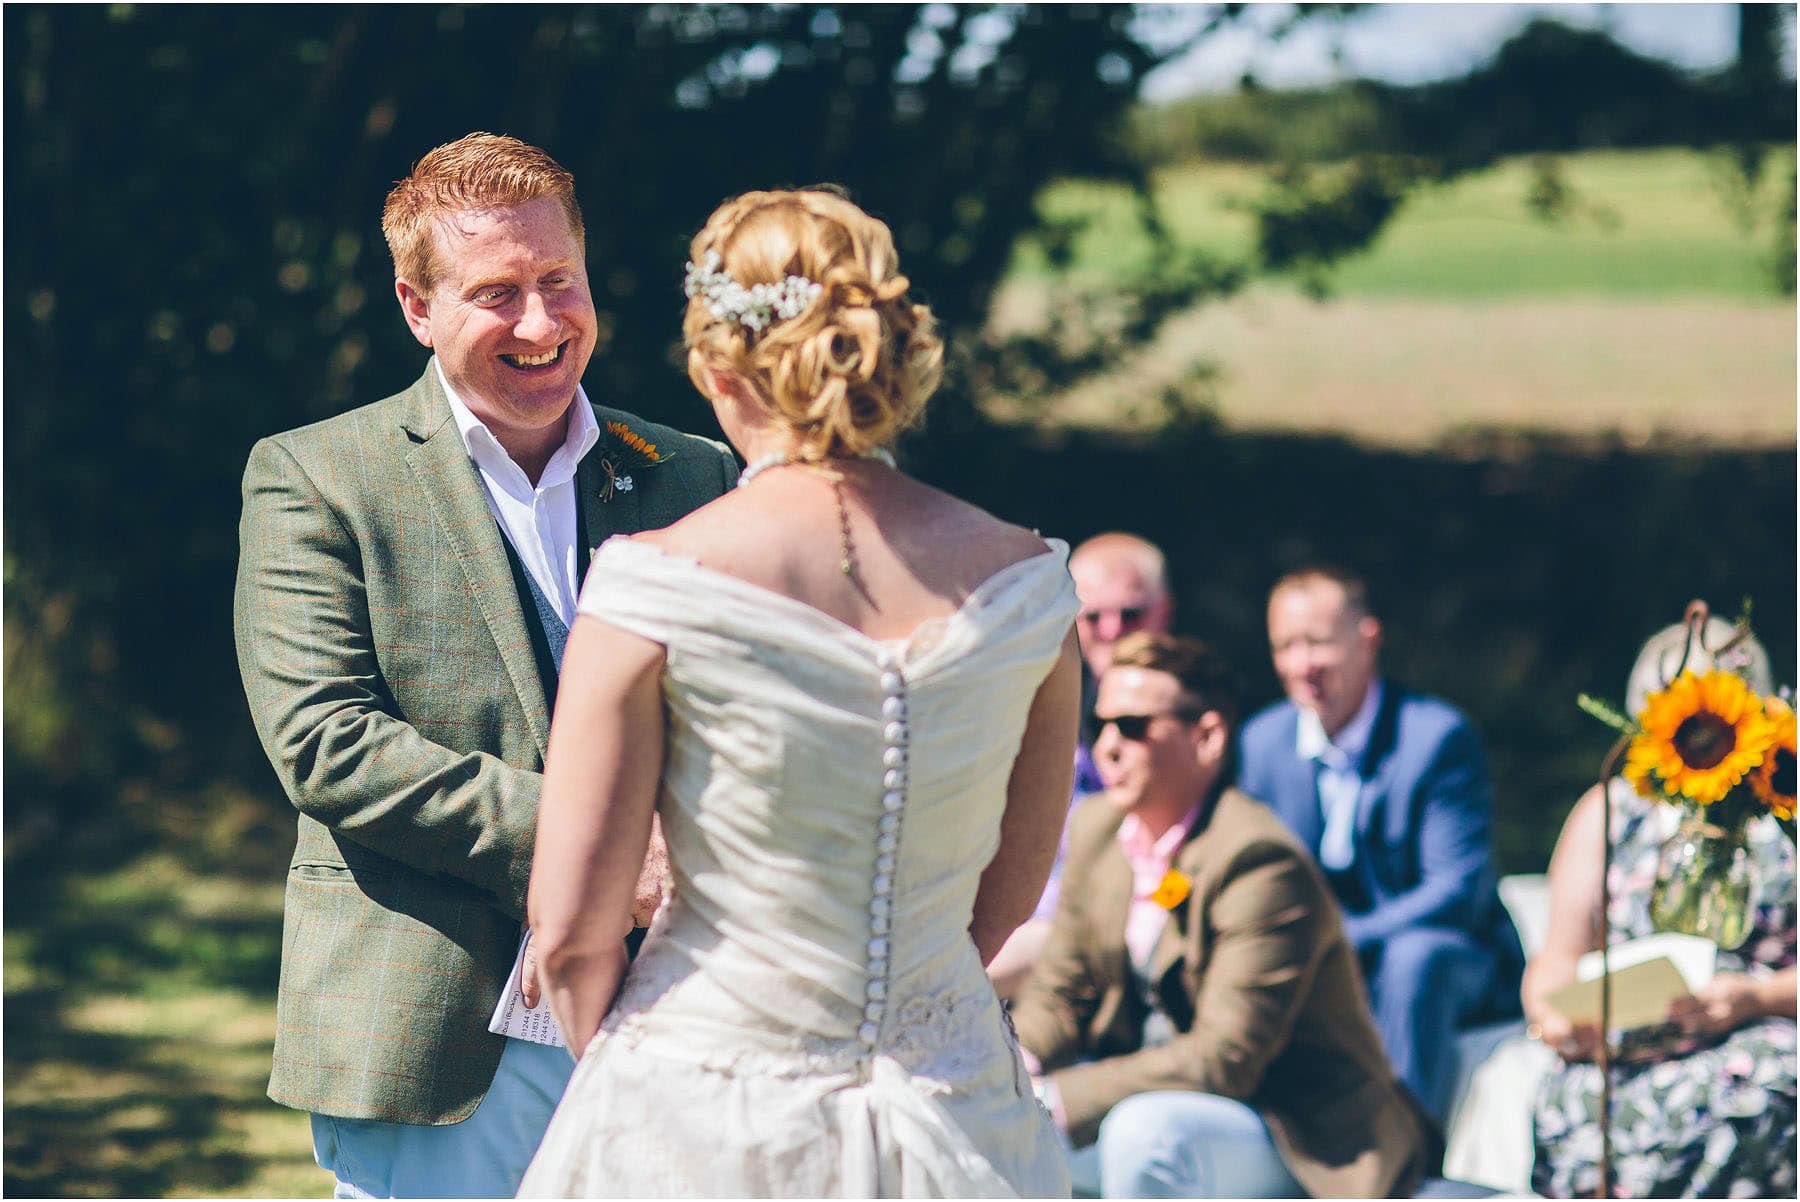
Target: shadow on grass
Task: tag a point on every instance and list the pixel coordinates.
(139, 1012)
(126, 1117)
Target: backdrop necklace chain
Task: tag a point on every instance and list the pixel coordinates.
(846, 545)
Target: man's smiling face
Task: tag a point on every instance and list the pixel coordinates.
(510, 315)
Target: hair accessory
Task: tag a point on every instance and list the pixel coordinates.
(753, 307)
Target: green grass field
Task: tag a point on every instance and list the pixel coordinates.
(1646, 315)
(1645, 225)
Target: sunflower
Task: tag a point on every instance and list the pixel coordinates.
(1774, 779)
(635, 441)
(1700, 737)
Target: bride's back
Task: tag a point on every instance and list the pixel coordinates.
(851, 655)
(915, 553)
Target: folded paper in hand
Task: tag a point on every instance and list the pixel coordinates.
(1647, 975)
(512, 1018)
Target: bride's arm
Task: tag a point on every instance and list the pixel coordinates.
(600, 781)
(1037, 802)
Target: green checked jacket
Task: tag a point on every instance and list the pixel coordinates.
(391, 676)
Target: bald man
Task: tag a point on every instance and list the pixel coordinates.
(1122, 583)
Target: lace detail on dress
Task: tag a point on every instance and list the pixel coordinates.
(947, 1037)
(941, 1039)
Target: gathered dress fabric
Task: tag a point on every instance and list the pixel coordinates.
(808, 1016)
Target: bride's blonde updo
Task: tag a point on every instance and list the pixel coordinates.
(851, 370)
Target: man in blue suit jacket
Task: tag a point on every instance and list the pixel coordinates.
(1390, 791)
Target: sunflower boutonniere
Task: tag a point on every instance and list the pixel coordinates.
(629, 453)
(1172, 890)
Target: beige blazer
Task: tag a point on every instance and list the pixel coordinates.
(1262, 985)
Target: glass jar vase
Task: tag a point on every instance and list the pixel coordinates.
(1706, 883)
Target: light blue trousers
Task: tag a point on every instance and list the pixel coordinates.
(484, 1156)
(1179, 1144)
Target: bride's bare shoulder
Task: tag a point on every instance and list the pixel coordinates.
(719, 519)
(974, 527)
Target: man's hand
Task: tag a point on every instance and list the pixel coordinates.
(529, 989)
(1724, 1004)
(652, 878)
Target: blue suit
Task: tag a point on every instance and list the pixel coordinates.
(1419, 900)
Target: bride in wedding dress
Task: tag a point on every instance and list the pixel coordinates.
(851, 701)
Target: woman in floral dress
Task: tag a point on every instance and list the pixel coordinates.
(1713, 1114)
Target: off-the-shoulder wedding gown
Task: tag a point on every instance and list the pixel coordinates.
(808, 1016)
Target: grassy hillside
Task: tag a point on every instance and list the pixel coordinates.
(1646, 315)
(1645, 224)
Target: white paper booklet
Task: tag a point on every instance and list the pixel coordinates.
(1692, 956)
(513, 1020)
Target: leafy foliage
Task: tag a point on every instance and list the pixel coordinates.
(1548, 89)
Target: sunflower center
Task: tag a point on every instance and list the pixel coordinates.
(1782, 779)
(1703, 740)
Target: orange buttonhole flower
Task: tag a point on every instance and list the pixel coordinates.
(1172, 890)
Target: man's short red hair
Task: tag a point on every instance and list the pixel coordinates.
(477, 171)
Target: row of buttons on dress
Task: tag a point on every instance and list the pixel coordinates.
(887, 840)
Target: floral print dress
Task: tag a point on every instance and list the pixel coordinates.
(1717, 1122)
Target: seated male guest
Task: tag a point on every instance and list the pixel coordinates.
(1197, 1008)
(1122, 583)
(1389, 790)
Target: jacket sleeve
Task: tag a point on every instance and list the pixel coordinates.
(1454, 815)
(324, 715)
(1268, 926)
(1062, 992)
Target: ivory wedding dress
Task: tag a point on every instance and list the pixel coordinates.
(808, 1016)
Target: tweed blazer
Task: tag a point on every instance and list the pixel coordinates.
(1254, 970)
(389, 670)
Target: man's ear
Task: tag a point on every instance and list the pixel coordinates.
(416, 309)
(1212, 738)
(1370, 629)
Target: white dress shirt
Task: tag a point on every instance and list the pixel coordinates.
(539, 521)
(1340, 779)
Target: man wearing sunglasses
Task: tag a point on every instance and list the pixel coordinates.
(1197, 1022)
(1121, 581)
(1389, 790)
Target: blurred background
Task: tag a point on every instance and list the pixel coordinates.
(1493, 301)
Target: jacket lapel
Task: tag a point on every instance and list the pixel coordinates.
(441, 464)
(1110, 904)
(605, 507)
(1296, 799)
(1178, 936)
(1377, 766)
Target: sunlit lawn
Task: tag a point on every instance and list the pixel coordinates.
(139, 1021)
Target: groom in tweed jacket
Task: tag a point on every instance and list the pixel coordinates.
(407, 574)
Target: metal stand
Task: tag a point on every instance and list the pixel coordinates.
(1695, 621)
